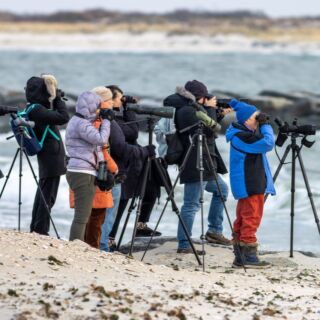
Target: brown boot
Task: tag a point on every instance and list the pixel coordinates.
(217, 238)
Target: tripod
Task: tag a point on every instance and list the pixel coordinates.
(199, 141)
(162, 175)
(20, 151)
(295, 149)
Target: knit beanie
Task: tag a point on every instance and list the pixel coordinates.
(243, 110)
(104, 93)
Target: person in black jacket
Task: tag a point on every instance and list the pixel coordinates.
(50, 110)
(130, 157)
(185, 116)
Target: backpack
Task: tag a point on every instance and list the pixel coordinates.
(169, 141)
(26, 137)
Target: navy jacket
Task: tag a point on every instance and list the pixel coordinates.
(185, 116)
(249, 168)
(129, 158)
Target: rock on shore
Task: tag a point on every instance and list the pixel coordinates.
(42, 277)
(298, 104)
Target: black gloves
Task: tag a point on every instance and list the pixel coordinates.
(106, 185)
(263, 118)
(107, 114)
(151, 150)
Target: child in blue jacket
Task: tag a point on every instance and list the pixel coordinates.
(250, 178)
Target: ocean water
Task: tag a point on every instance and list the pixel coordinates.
(156, 75)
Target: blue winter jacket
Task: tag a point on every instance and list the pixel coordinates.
(249, 168)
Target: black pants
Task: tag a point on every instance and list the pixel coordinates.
(40, 222)
(146, 209)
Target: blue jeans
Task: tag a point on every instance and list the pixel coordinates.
(109, 219)
(191, 205)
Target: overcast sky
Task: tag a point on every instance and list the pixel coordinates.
(274, 8)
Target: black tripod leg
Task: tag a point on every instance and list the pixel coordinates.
(170, 197)
(310, 195)
(293, 190)
(282, 161)
(41, 193)
(131, 207)
(141, 196)
(200, 167)
(9, 173)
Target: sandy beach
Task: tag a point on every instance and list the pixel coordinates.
(43, 277)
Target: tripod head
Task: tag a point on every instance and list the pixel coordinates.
(21, 124)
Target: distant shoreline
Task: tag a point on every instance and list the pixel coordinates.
(309, 33)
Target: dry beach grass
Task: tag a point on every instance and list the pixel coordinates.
(42, 277)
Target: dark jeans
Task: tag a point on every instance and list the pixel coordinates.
(40, 222)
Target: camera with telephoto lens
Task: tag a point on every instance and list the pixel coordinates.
(8, 110)
(162, 112)
(299, 130)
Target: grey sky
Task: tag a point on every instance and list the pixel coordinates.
(273, 8)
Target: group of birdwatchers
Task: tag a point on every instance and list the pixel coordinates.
(104, 131)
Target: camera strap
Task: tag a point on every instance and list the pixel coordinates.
(47, 130)
(77, 114)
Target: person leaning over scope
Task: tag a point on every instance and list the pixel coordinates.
(129, 157)
(250, 179)
(48, 109)
(83, 143)
(103, 198)
(186, 116)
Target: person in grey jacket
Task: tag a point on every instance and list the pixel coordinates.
(83, 144)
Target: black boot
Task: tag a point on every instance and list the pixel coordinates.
(144, 231)
(250, 256)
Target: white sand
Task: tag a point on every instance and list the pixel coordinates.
(89, 284)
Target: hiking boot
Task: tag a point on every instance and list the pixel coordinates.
(189, 250)
(250, 257)
(144, 231)
(217, 238)
(112, 245)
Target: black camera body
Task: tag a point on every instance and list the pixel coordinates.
(128, 99)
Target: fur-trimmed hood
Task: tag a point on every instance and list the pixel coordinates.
(180, 98)
(185, 93)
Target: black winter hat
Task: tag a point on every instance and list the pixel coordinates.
(36, 91)
(198, 89)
